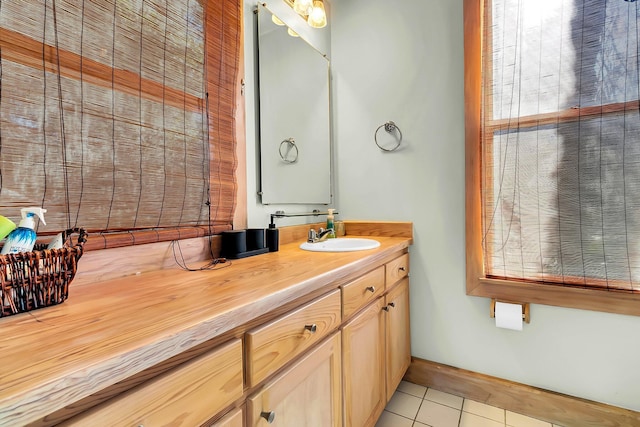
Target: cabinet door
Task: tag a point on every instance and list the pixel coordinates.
(398, 341)
(307, 394)
(363, 366)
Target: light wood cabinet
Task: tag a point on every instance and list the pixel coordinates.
(306, 394)
(185, 396)
(370, 362)
(376, 344)
(191, 348)
(333, 361)
(398, 335)
(363, 363)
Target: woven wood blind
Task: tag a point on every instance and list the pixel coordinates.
(118, 116)
(561, 142)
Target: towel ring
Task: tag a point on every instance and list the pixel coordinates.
(390, 128)
(287, 156)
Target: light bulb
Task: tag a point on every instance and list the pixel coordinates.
(276, 20)
(317, 17)
(303, 7)
(292, 33)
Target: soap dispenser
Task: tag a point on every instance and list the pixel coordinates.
(330, 223)
(273, 238)
(23, 238)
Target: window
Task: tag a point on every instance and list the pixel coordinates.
(553, 152)
(118, 116)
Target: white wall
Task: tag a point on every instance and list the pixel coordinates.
(403, 61)
(257, 213)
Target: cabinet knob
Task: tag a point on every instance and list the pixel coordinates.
(392, 304)
(371, 289)
(269, 416)
(311, 328)
(402, 269)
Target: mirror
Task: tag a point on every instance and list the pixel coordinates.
(295, 144)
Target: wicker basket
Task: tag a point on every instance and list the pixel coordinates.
(40, 278)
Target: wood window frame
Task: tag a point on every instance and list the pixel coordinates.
(477, 283)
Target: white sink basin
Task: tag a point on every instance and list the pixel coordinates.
(341, 245)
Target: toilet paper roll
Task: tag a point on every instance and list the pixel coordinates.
(509, 316)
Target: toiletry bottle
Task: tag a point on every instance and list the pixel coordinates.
(330, 224)
(273, 238)
(58, 241)
(23, 238)
(6, 226)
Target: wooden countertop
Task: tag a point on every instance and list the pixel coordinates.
(108, 331)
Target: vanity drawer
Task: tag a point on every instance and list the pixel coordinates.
(274, 344)
(397, 269)
(187, 395)
(361, 291)
(232, 419)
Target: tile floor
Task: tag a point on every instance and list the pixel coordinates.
(416, 406)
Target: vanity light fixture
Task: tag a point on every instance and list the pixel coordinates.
(292, 33)
(303, 7)
(318, 16)
(312, 11)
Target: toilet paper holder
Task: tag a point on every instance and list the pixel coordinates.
(526, 316)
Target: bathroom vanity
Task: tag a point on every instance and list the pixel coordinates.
(287, 338)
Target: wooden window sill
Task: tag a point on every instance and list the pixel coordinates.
(584, 298)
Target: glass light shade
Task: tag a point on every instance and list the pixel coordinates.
(317, 17)
(292, 33)
(276, 20)
(303, 7)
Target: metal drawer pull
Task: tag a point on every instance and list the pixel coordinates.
(311, 328)
(269, 416)
(371, 289)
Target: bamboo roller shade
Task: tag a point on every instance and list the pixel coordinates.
(118, 116)
(561, 143)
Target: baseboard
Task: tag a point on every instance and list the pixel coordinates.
(542, 404)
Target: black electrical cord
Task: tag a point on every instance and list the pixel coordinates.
(211, 265)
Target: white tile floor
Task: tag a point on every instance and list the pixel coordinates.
(416, 406)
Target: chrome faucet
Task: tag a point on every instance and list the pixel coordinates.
(320, 235)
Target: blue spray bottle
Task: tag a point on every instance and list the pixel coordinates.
(23, 238)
